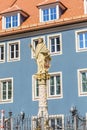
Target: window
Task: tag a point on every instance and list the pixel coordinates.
(2, 52)
(49, 13)
(55, 122)
(13, 17)
(11, 21)
(82, 82)
(34, 42)
(6, 90)
(55, 44)
(13, 51)
(55, 85)
(81, 41)
(54, 89)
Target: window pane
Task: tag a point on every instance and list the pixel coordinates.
(14, 21)
(57, 85)
(9, 85)
(4, 95)
(85, 39)
(52, 44)
(4, 90)
(81, 44)
(53, 123)
(2, 49)
(51, 80)
(57, 44)
(12, 47)
(52, 90)
(4, 86)
(1, 52)
(35, 43)
(53, 13)
(17, 47)
(9, 89)
(59, 122)
(84, 81)
(12, 51)
(17, 50)
(12, 54)
(45, 15)
(8, 22)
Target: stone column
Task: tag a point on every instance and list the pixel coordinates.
(43, 107)
(2, 119)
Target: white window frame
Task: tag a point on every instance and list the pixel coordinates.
(55, 117)
(80, 92)
(77, 42)
(61, 89)
(7, 100)
(35, 98)
(49, 47)
(4, 20)
(9, 59)
(33, 44)
(2, 60)
(85, 6)
(48, 7)
(34, 118)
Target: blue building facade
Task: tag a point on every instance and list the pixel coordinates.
(68, 63)
(67, 85)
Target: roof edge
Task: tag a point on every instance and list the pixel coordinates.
(39, 26)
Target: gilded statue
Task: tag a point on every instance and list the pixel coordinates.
(42, 56)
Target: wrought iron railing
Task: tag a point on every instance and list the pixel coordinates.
(22, 122)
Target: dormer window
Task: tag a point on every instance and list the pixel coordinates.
(50, 11)
(49, 14)
(13, 17)
(11, 21)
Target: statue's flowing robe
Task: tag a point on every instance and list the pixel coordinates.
(41, 48)
(41, 52)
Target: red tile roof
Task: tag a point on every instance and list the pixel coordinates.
(46, 2)
(73, 13)
(10, 9)
(14, 8)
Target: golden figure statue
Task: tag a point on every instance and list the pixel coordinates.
(42, 56)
